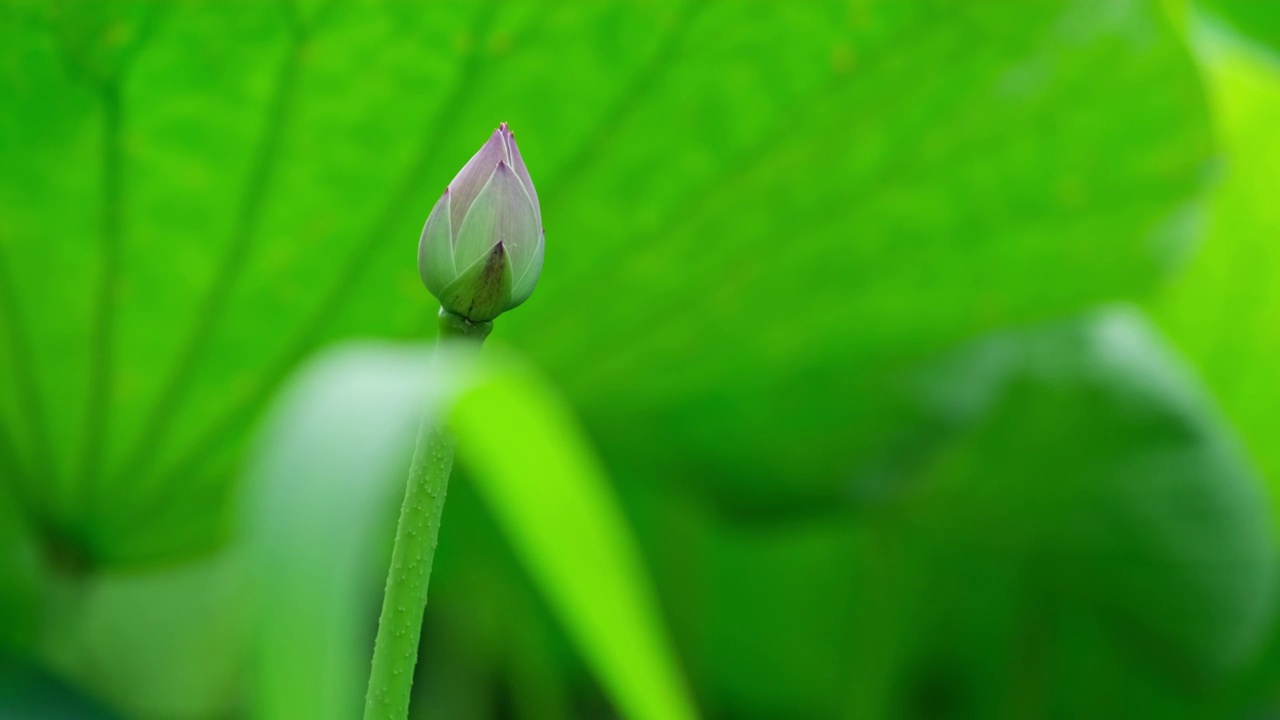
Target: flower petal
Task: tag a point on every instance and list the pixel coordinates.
(435, 248)
(469, 181)
(527, 278)
(483, 290)
(503, 214)
(522, 172)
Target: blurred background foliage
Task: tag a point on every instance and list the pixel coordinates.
(927, 348)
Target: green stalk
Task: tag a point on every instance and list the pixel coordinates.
(395, 652)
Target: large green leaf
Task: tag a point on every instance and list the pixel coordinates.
(1067, 530)
(754, 211)
(1091, 466)
(326, 481)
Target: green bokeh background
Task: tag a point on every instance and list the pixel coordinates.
(928, 347)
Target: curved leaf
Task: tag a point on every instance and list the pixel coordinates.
(325, 485)
(1222, 309)
(1088, 509)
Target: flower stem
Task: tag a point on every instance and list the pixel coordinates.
(395, 652)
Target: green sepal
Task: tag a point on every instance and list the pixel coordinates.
(482, 291)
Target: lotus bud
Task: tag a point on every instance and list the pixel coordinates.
(481, 249)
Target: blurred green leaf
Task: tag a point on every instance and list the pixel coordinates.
(21, 577)
(550, 493)
(30, 692)
(325, 485)
(1066, 529)
(952, 177)
(1222, 311)
(755, 211)
(168, 644)
(320, 503)
(1259, 21)
(1089, 511)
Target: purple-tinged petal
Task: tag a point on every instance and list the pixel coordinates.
(471, 179)
(505, 132)
(527, 279)
(435, 248)
(503, 214)
(522, 172)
